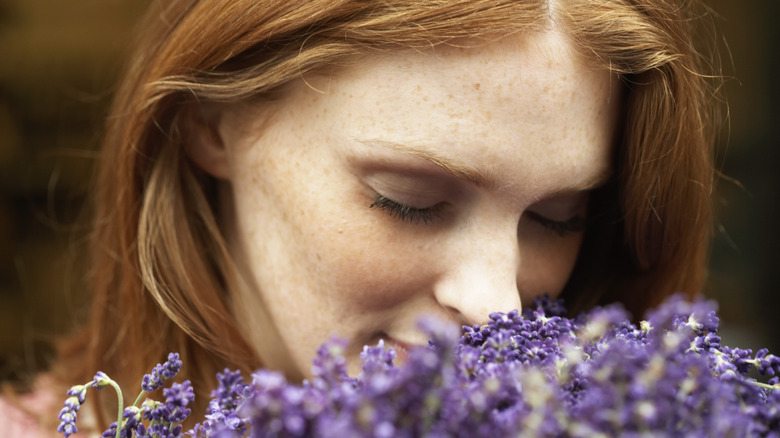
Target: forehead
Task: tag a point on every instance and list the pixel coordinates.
(521, 104)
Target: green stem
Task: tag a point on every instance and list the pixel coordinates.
(764, 385)
(121, 406)
(140, 397)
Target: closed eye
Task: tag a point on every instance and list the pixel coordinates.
(406, 213)
(576, 224)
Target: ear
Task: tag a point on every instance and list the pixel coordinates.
(202, 141)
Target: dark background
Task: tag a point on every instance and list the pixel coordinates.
(59, 60)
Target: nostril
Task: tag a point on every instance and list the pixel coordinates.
(474, 306)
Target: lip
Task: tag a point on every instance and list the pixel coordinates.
(401, 348)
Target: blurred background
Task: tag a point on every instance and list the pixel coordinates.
(59, 60)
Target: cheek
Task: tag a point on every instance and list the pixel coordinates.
(372, 265)
(329, 249)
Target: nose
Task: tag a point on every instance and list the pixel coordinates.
(480, 276)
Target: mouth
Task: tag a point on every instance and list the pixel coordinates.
(401, 348)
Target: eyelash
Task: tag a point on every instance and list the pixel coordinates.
(577, 224)
(405, 213)
(415, 215)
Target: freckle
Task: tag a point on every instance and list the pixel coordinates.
(425, 98)
(476, 86)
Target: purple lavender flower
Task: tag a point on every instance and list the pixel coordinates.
(177, 397)
(100, 381)
(532, 374)
(162, 372)
(131, 427)
(550, 376)
(230, 389)
(77, 395)
(222, 418)
(329, 366)
(276, 407)
(767, 363)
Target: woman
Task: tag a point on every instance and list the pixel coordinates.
(277, 172)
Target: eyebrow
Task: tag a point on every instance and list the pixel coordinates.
(460, 170)
(473, 175)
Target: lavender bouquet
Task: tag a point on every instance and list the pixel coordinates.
(536, 374)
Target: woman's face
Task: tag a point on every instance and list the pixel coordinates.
(451, 183)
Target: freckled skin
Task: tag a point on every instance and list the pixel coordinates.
(521, 110)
